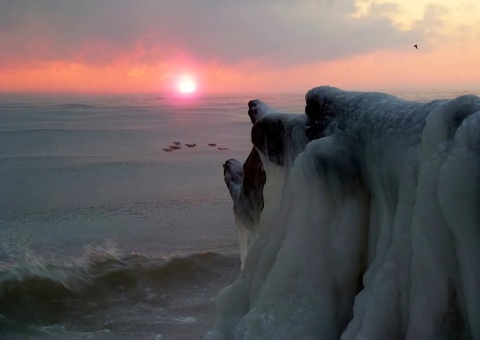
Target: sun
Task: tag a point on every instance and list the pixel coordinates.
(186, 84)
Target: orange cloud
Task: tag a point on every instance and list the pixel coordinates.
(449, 67)
(362, 44)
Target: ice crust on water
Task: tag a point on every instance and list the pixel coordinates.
(370, 227)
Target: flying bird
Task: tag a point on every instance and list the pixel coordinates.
(222, 148)
(177, 143)
(212, 144)
(175, 147)
(167, 149)
(191, 145)
(416, 46)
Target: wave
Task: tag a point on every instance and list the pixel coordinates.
(70, 130)
(34, 292)
(40, 105)
(74, 106)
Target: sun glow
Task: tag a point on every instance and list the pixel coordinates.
(186, 84)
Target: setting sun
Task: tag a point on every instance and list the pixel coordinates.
(187, 85)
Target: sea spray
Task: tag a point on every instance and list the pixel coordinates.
(100, 290)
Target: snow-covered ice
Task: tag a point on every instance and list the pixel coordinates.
(370, 221)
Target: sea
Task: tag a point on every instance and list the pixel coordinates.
(103, 233)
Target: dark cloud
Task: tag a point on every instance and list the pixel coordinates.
(280, 32)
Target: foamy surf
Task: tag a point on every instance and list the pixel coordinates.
(106, 293)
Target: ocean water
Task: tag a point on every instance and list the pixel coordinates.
(105, 235)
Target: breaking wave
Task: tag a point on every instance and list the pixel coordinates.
(104, 292)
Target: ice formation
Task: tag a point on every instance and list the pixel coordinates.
(369, 225)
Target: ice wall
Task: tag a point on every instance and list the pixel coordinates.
(370, 227)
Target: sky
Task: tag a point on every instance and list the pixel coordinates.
(124, 46)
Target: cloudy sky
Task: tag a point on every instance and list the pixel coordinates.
(239, 45)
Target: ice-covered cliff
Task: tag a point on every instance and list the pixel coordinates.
(365, 215)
